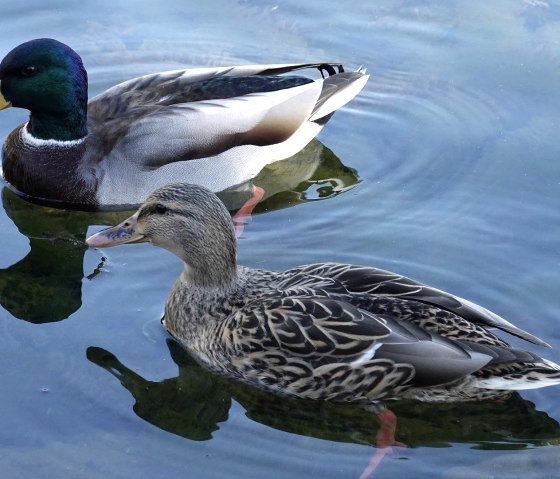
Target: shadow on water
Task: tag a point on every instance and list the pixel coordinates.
(194, 403)
(46, 285)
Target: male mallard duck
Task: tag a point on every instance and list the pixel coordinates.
(212, 126)
(326, 331)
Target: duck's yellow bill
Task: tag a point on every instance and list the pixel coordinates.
(3, 102)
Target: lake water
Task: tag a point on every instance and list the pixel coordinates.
(445, 168)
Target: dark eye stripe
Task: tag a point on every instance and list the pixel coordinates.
(160, 209)
(154, 209)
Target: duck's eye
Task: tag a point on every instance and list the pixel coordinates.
(160, 209)
(28, 71)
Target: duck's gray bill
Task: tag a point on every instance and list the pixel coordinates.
(120, 234)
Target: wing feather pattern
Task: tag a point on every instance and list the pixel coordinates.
(373, 281)
(328, 334)
(206, 112)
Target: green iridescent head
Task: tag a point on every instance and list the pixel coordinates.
(47, 78)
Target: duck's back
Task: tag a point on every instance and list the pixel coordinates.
(311, 333)
(214, 128)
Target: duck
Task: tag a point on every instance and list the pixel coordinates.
(326, 331)
(215, 126)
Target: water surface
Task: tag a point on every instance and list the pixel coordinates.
(445, 169)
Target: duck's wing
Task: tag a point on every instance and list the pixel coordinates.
(311, 327)
(373, 281)
(323, 331)
(203, 113)
(177, 84)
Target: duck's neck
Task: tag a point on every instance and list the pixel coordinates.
(210, 258)
(214, 280)
(66, 126)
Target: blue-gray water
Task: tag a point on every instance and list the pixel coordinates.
(453, 152)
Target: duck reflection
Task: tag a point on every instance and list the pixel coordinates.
(45, 286)
(194, 403)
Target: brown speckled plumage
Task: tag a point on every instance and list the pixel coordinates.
(327, 331)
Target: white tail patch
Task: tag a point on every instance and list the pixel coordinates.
(540, 380)
(338, 100)
(510, 384)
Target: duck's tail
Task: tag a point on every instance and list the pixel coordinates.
(338, 89)
(339, 86)
(519, 376)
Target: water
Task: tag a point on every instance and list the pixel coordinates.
(445, 169)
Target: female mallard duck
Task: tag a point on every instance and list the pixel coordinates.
(212, 126)
(325, 331)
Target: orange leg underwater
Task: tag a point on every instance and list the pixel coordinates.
(243, 215)
(385, 442)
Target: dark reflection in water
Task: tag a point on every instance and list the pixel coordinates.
(46, 285)
(194, 403)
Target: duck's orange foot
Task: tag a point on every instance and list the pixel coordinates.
(243, 215)
(386, 442)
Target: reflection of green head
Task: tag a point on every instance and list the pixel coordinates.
(47, 78)
(46, 285)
